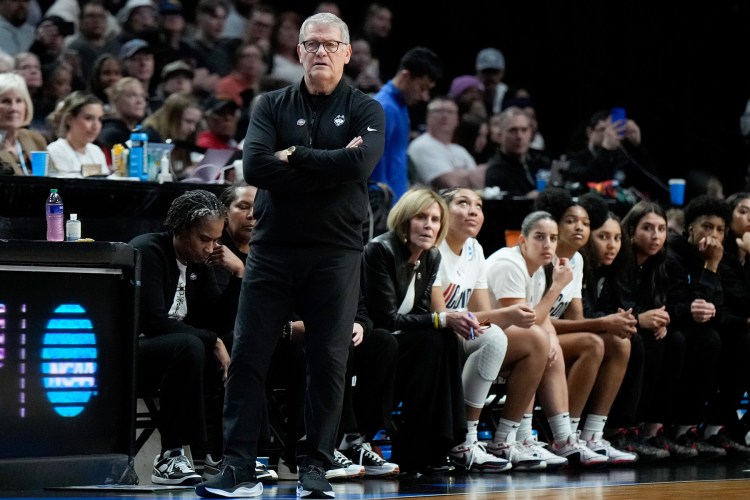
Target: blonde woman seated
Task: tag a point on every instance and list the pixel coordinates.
(77, 122)
(400, 269)
(16, 141)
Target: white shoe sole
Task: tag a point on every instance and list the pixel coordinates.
(351, 472)
(239, 491)
(381, 471)
(187, 481)
(302, 493)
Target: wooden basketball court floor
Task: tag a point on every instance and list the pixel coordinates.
(706, 480)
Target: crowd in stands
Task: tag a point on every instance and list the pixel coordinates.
(133, 55)
(631, 333)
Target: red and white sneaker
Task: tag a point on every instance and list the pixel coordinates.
(614, 456)
(539, 449)
(578, 453)
(517, 454)
(474, 458)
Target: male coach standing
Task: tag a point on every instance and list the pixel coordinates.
(310, 148)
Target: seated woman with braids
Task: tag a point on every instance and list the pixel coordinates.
(183, 313)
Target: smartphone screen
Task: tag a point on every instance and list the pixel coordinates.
(617, 115)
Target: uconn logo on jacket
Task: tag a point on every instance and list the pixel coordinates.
(456, 297)
(460, 274)
(559, 306)
(571, 291)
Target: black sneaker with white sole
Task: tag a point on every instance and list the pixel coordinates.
(265, 475)
(232, 482)
(343, 468)
(174, 468)
(211, 467)
(374, 465)
(442, 465)
(313, 483)
(733, 448)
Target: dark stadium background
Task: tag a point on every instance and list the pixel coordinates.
(680, 69)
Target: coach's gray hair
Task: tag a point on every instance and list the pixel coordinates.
(326, 19)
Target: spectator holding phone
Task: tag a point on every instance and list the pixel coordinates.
(614, 151)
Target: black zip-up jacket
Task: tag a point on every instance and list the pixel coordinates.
(599, 292)
(689, 280)
(387, 274)
(209, 308)
(320, 197)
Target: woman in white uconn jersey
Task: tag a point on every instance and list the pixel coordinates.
(463, 279)
(510, 278)
(596, 350)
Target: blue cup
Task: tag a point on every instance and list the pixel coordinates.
(39, 161)
(677, 192)
(542, 179)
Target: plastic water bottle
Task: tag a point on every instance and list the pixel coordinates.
(73, 228)
(164, 173)
(138, 158)
(55, 217)
(119, 166)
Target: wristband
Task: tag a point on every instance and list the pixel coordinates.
(435, 320)
(442, 319)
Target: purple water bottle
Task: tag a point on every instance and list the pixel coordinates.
(55, 217)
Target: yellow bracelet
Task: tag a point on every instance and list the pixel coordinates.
(436, 320)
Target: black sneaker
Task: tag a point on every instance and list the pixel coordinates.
(733, 448)
(444, 466)
(631, 440)
(174, 468)
(676, 450)
(265, 475)
(705, 450)
(211, 467)
(375, 466)
(343, 468)
(313, 483)
(232, 482)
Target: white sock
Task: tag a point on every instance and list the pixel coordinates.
(593, 429)
(574, 421)
(524, 430)
(506, 431)
(471, 435)
(560, 427)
